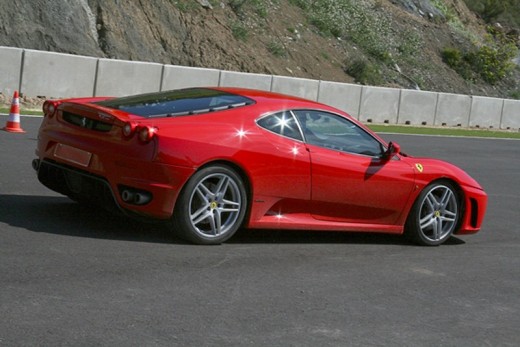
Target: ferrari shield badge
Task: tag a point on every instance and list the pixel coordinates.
(419, 167)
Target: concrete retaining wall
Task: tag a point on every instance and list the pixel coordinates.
(245, 80)
(346, 97)
(301, 87)
(417, 107)
(175, 77)
(379, 105)
(486, 112)
(453, 110)
(120, 77)
(55, 75)
(10, 69)
(511, 115)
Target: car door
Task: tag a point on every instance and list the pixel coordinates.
(283, 170)
(351, 180)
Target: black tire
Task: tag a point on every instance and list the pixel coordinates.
(211, 206)
(435, 214)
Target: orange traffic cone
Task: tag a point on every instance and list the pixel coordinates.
(13, 123)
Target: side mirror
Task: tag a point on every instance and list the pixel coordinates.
(393, 149)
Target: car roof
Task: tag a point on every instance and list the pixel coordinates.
(266, 98)
(190, 101)
(263, 95)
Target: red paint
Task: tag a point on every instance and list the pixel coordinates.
(292, 185)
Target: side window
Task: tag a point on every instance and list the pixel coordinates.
(335, 132)
(282, 123)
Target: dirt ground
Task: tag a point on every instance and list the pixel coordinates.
(26, 103)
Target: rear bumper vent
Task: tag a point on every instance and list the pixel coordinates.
(77, 184)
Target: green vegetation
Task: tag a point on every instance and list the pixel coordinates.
(398, 129)
(511, 14)
(276, 49)
(455, 59)
(240, 6)
(506, 12)
(324, 55)
(489, 10)
(364, 24)
(455, 23)
(369, 27)
(239, 31)
(365, 72)
(185, 5)
(492, 61)
(446, 11)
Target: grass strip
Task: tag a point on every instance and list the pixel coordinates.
(412, 130)
(6, 110)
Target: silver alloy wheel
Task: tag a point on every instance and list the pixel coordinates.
(438, 213)
(215, 205)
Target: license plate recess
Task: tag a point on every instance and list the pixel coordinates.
(72, 154)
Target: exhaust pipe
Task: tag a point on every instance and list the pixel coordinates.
(127, 196)
(135, 197)
(141, 199)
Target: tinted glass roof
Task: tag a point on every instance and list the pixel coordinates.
(180, 102)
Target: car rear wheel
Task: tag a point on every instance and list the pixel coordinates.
(211, 206)
(435, 215)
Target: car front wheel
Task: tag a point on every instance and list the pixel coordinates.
(211, 206)
(435, 215)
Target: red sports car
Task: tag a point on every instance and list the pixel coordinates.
(212, 160)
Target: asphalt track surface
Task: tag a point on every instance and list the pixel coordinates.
(77, 277)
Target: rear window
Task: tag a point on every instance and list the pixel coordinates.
(180, 102)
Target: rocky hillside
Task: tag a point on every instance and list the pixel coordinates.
(425, 44)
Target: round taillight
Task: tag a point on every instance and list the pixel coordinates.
(146, 133)
(49, 108)
(129, 129)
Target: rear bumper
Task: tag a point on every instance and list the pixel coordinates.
(77, 184)
(162, 183)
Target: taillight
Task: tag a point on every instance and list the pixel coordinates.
(49, 108)
(146, 133)
(129, 129)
